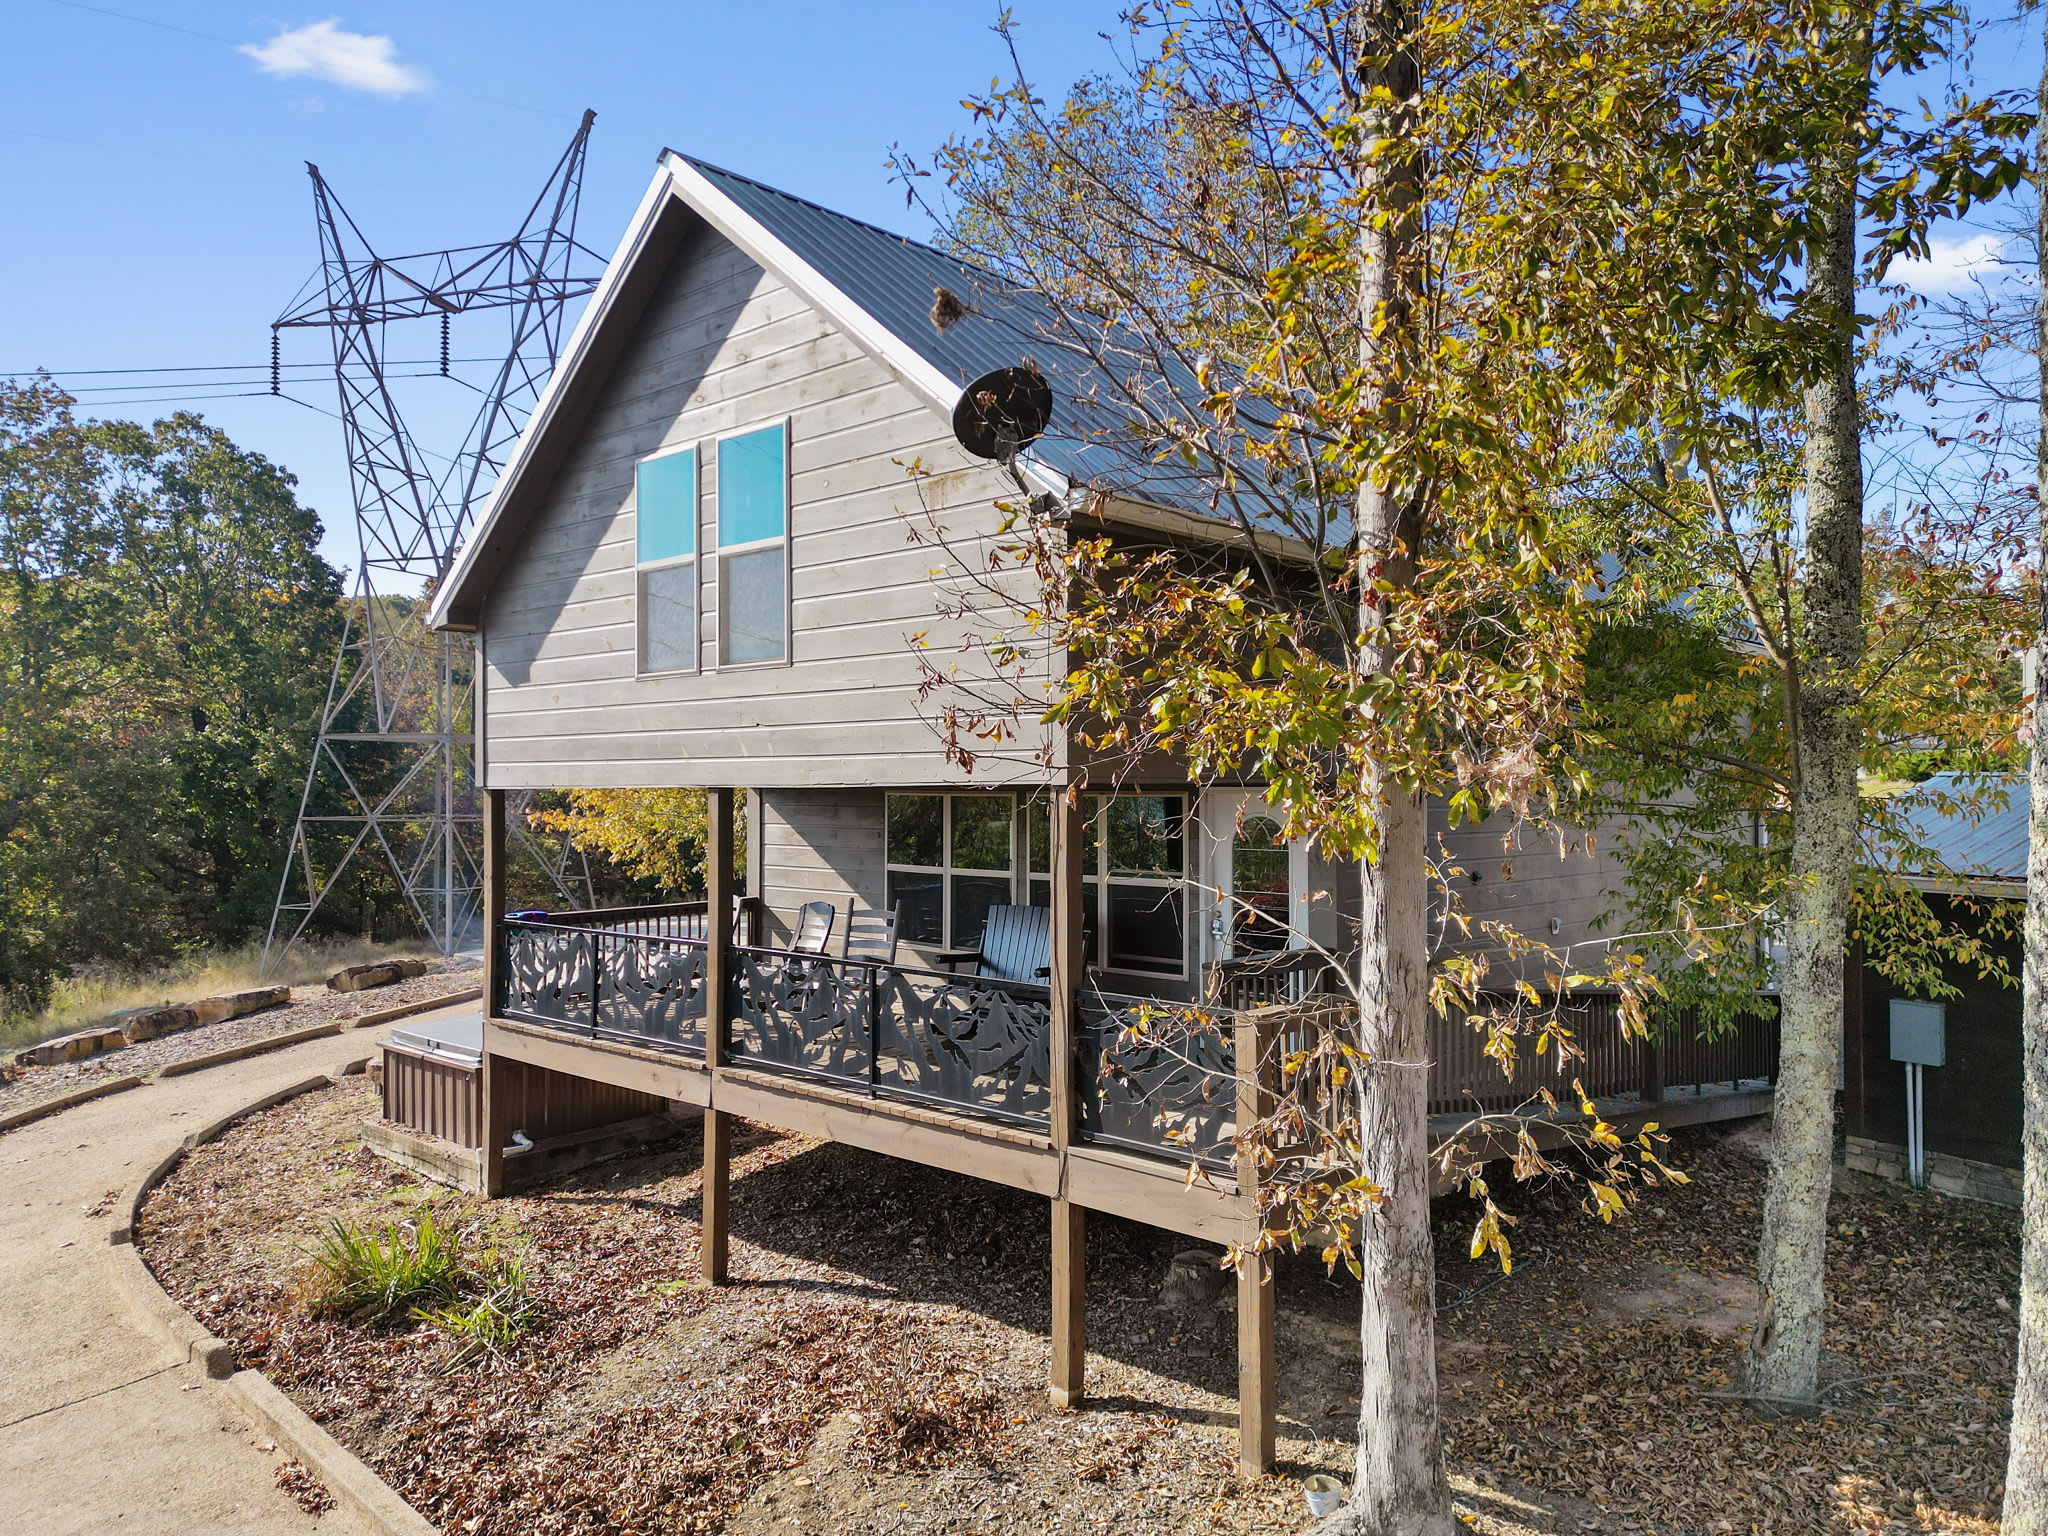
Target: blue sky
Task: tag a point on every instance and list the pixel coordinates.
(159, 213)
(152, 161)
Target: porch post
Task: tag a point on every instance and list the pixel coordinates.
(718, 920)
(1069, 1249)
(1252, 1035)
(1257, 1389)
(492, 1129)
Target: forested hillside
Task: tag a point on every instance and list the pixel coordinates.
(167, 626)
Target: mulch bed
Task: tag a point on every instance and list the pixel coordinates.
(309, 1006)
(878, 1365)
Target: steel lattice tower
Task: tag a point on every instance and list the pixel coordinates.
(393, 780)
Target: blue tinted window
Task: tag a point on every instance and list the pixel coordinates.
(665, 506)
(752, 501)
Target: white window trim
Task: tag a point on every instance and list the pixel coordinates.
(1095, 882)
(641, 568)
(945, 871)
(786, 543)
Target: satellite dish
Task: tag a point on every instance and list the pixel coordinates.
(1001, 412)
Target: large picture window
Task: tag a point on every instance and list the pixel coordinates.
(1134, 870)
(665, 554)
(950, 859)
(753, 547)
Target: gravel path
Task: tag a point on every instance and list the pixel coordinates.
(309, 1005)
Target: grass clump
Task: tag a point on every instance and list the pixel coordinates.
(366, 1275)
(428, 1271)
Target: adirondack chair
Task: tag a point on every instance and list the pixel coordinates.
(1016, 945)
(872, 935)
(814, 921)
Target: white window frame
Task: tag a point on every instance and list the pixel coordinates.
(643, 568)
(947, 869)
(1097, 880)
(785, 542)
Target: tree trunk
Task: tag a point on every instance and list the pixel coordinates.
(2026, 1471)
(1398, 1488)
(1784, 1361)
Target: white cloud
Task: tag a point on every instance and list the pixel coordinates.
(1954, 264)
(320, 50)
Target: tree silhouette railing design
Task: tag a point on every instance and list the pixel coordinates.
(1152, 1075)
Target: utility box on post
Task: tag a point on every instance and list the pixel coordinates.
(1919, 1032)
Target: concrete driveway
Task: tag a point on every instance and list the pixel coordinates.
(101, 1428)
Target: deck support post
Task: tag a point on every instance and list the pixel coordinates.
(493, 1132)
(1252, 1035)
(1257, 1386)
(1068, 1380)
(719, 910)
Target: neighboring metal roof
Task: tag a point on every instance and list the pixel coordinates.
(1982, 840)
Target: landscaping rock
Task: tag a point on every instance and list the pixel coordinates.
(358, 978)
(1192, 1293)
(73, 1047)
(132, 1026)
(140, 1024)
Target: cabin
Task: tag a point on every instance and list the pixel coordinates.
(1933, 1087)
(725, 554)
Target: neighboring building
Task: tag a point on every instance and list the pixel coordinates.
(1971, 1103)
(702, 568)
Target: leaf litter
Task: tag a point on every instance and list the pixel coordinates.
(878, 1364)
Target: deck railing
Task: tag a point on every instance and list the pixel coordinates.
(1153, 1076)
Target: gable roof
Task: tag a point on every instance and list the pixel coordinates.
(875, 286)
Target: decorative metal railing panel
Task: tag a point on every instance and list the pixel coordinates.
(545, 974)
(965, 1042)
(1158, 1076)
(651, 990)
(807, 1014)
(630, 986)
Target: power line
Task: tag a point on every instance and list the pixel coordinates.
(325, 369)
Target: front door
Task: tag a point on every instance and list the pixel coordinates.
(1257, 885)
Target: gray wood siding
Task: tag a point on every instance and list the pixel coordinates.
(725, 347)
(820, 845)
(1524, 881)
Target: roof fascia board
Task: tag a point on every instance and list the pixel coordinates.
(452, 591)
(1186, 527)
(750, 235)
(1988, 886)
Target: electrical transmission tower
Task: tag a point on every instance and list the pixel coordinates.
(392, 783)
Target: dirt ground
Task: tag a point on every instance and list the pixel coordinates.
(878, 1365)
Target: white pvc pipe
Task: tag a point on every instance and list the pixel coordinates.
(1912, 1128)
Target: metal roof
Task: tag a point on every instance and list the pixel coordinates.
(878, 287)
(1983, 838)
(1100, 379)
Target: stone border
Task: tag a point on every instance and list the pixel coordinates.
(65, 1100)
(246, 1048)
(366, 1495)
(386, 1015)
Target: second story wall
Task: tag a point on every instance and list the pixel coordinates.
(723, 348)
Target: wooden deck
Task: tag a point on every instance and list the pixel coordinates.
(1023, 1084)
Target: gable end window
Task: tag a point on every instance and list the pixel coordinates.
(753, 546)
(665, 557)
